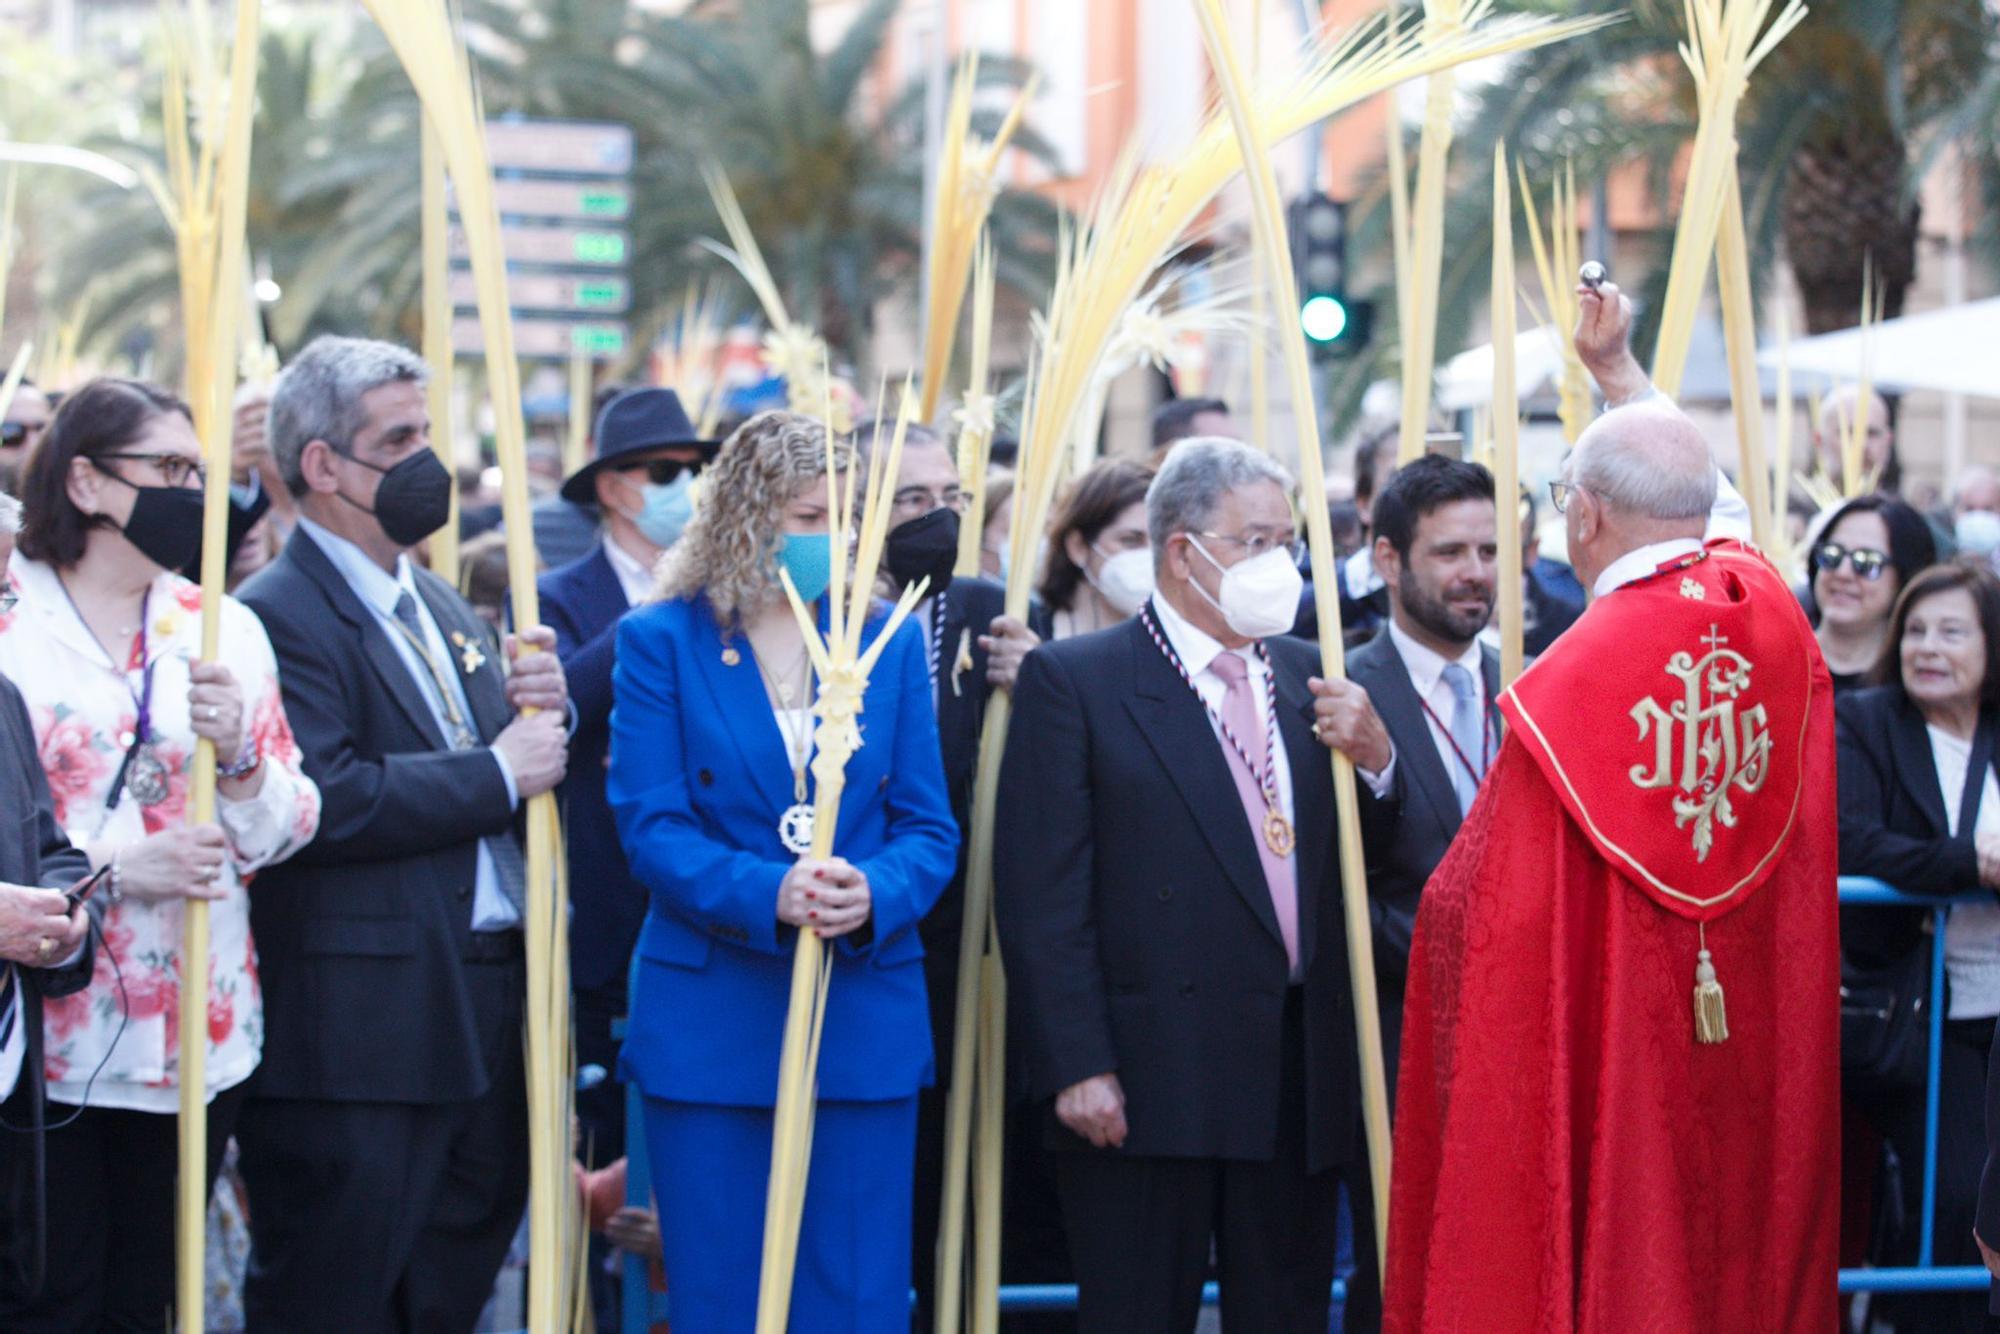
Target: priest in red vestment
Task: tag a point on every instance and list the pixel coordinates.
(1619, 1105)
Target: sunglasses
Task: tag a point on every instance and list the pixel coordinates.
(13, 434)
(661, 472)
(1867, 562)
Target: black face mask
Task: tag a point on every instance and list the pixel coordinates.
(925, 546)
(165, 523)
(413, 499)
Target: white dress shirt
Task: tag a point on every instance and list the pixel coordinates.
(1972, 932)
(378, 591)
(1426, 668)
(634, 575)
(1197, 650)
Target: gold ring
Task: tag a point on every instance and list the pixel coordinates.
(48, 946)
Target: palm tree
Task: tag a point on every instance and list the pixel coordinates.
(1837, 130)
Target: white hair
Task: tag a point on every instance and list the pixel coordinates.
(1649, 460)
(1197, 474)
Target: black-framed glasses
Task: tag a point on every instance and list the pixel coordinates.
(1866, 562)
(174, 469)
(15, 434)
(1256, 544)
(915, 498)
(1559, 494)
(662, 472)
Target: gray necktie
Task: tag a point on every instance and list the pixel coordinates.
(1468, 731)
(458, 730)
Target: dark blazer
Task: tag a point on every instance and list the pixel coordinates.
(360, 937)
(1892, 817)
(582, 602)
(699, 780)
(970, 606)
(1987, 1224)
(1136, 923)
(34, 851)
(1409, 829)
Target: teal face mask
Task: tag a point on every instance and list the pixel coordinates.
(666, 511)
(808, 558)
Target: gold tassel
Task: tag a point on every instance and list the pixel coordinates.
(1711, 1020)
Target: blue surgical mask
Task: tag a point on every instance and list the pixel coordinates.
(1978, 533)
(666, 511)
(808, 558)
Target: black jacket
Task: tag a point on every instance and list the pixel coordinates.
(1892, 818)
(1137, 926)
(360, 936)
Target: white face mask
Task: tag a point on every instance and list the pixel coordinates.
(1260, 596)
(1124, 580)
(1977, 532)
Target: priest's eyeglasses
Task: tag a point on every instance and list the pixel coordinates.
(1867, 562)
(1559, 494)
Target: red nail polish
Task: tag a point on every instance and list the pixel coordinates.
(814, 913)
(819, 875)
(811, 895)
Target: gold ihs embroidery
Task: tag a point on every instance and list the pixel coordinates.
(1725, 746)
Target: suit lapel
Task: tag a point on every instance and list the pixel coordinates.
(1171, 718)
(485, 685)
(739, 694)
(1387, 680)
(381, 654)
(1312, 812)
(604, 593)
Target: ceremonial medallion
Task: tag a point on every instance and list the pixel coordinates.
(146, 777)
(730, 657)
(1278, 834)
(795, 829)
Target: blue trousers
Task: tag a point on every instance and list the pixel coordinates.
(711, 1166)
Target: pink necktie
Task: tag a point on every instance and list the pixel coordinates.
(1239, 711)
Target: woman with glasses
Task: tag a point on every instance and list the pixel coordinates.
(712, 748)
(1920, 810)
(1866, 555)
(104, 644)
(1099, 570)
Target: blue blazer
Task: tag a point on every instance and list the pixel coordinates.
(582, 602)
(699, 778)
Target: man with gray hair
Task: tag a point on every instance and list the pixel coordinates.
(1587, 1135)
(384, 1146)
(1169, 906)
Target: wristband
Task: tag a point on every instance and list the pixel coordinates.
(245, 765)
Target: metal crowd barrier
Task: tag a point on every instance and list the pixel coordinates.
(1924, 1276)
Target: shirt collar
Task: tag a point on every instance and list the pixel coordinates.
(1195, 647)
(376, 587)
(1635, 565)
(168, 617)
(1425, 664)
(634, 575)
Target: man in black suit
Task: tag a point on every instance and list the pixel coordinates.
(1416, 714)
(642, 481)
(384, 1142)
(44, 952)
(973, 648)
(1169, 906)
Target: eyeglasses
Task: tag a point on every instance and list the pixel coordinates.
(1866, 561)
(661, 472)
(1560, 493)
(920, 499)
(9, 599)
(14, 434)
(174, 469)
(1257, 544)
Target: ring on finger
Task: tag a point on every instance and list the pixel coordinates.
(47, 947)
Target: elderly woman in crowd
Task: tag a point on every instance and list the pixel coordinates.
(1866, 555)
(1920, 809)
(1100, 563)
(710, 781)
(104, 645)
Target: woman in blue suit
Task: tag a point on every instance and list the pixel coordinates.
(710, 753)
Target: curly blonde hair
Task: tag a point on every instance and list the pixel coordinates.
(730, 549)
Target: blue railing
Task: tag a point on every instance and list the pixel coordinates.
(1924, 1276)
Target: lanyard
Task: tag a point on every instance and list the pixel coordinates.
(1485, 734)
(142, 698)
(1267, 781)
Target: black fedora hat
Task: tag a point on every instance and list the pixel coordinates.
(638, 421)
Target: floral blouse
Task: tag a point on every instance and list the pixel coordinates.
(84, 710)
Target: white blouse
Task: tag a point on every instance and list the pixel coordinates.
(1972, 931)
(84, 709)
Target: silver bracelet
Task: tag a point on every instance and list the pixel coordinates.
(114, 888)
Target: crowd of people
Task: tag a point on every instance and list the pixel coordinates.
(1185, 1095)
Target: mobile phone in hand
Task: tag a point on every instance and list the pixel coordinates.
(81, 891)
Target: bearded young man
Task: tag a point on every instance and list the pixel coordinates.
(1416, 714)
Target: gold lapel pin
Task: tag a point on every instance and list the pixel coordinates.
(470, 657)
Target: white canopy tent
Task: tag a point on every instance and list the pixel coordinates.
(1951, 351)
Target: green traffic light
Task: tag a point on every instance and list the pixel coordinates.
(1323, 318)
